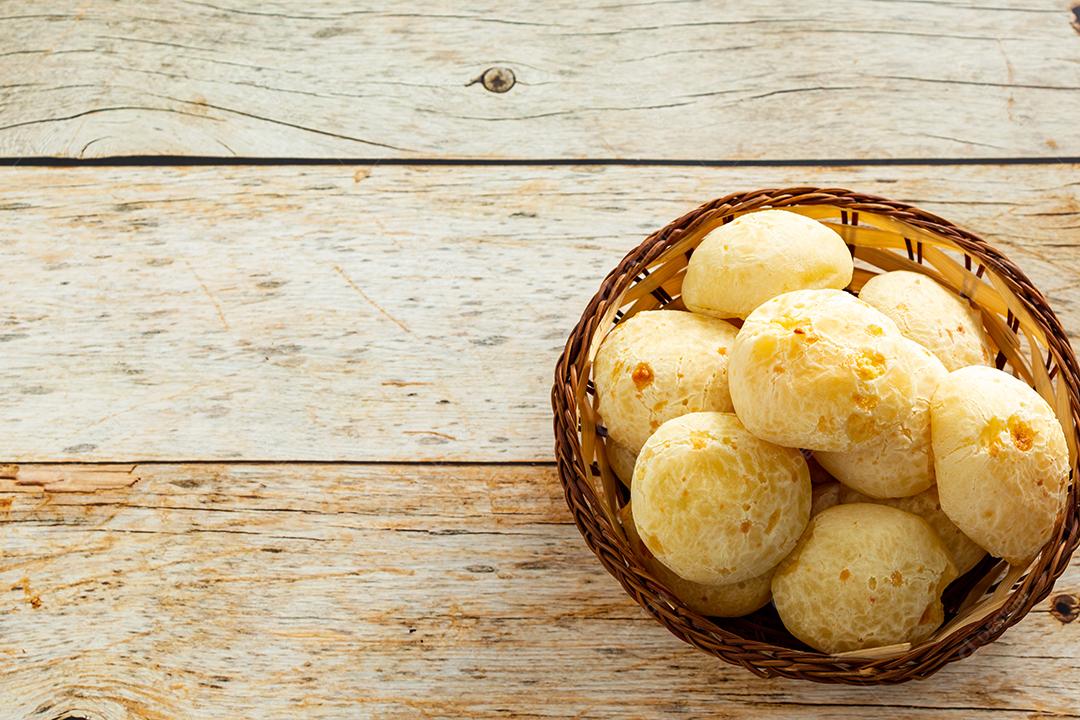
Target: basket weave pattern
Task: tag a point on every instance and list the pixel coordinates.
(883, 235)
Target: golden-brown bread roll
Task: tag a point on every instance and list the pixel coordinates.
(657, 365)
(715, 504)
(740, 265)
(863, 576)
(931, 315)
(822, 370)
(1001, 460)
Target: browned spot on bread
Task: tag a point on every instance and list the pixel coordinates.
(1023, 435)
(699, 439)
(771, 523)
(744, 526)
(722, 350)
(844, 575)
(642, 376)
(864, 402)
(897, 578)
(869, 364)
(807, 335)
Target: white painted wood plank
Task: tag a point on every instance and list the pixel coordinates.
(688, 79)
(283, 591)
(368, 313)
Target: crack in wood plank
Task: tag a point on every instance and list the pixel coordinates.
(369, 300)
(209, 296)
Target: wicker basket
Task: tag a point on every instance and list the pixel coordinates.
(883, 235)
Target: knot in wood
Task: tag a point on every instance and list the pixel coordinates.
(1065, 607)
(498, 79)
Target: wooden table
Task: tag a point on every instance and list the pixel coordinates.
(283, 285)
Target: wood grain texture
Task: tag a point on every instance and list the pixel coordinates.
(278, 591)
(691, 80)
(369, 313)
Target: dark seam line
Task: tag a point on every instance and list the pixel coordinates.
(242, 461)
(200, 160)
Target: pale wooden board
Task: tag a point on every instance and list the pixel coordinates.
(368, 313)
(339, 78)
(314, 591)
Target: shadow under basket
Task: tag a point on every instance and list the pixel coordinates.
(883, 235)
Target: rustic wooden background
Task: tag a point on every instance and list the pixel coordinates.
(281, 291)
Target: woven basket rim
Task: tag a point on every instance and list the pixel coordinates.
(762, 658)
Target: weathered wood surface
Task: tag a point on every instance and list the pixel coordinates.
(822, 79)
(268, 591)
(368, 313)
(381, 314)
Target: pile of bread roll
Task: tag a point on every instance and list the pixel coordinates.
(844, 457)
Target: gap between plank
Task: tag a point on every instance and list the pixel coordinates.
(239, 461)
(201, 160)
